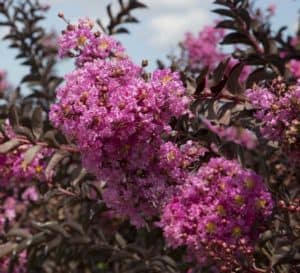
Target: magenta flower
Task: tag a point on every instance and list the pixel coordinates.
(203, 49)
(221, 202)
(277, 108)
(87, 45)
(117, 118)
(241, 136)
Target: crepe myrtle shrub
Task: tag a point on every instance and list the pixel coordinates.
(191, 166)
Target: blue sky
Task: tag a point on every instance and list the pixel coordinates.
(162, 26)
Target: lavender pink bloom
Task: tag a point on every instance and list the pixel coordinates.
(14, 170)
(204, 50)
(221, 201)
(81, 41)
(117, 119)
(277, 109)
(241, 136)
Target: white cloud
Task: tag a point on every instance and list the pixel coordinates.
(170, 3)
(168, 29)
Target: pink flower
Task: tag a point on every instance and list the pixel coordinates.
(203, 49)
(277, 108)
(241, 136)
(294, 66)
(81, 41)
(221, 202)
(117, 118)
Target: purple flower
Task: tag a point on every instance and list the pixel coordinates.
(277, 108)
(117, 119)
(239, 136)
(221, 201)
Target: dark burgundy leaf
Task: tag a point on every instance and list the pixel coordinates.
(37, 122)
(227, 24)
(259, 75)
(236, 38)
(219, 87)
(224, 12)
(30, 155)
(233, 83)
(9, 145)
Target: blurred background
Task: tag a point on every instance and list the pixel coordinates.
(162, 26)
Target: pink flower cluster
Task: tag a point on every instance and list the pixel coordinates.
(15, 170)
(86, 45)
(220, 205)
(19, 265)
(278, 109)
(13, 203)
(241, 136)
(203, 50)
(117, 118)
(294, 66)
(10, 202)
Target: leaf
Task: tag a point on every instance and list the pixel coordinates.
(50, 138)
(30, 155)
(282, 256)
(31, 78)
(120, 240)
(235, 38)
(9, 145)
(108, 9)
(224, 12)
(218, 73)
(271, 47)
(136, 4)
(6, 249)
(233, 83)
(121, 3)
(19, 232)
(219, 87)
(225, 108)
(121, 30)
(222, 2)
(259, 75)
(227, 24)
(78, 175)
(37, 122)
(243, 12)
(55, 159)
(75, 226)
(201, 81)
(21, 130)
(167, 260)
(131, 19)
(54, 243)
(13, 116)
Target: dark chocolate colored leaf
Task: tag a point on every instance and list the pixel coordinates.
(233, 83)
(37, 122)
(9, 145)
(30, 154)
(235, 38)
